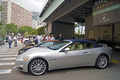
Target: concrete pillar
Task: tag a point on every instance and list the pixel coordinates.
(64, 26)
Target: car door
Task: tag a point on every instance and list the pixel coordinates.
(72, 57)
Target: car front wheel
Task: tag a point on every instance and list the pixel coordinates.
(101, 62)
(26, 41)
(37, 67)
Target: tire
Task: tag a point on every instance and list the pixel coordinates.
(26, 41)
(38, 67)
(101, 62)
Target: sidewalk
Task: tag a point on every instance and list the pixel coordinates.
(5, 47)
(116, 56)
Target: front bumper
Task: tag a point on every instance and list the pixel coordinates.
(22, 65)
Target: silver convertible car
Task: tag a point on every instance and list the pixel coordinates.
(69, 53)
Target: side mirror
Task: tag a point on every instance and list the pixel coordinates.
(67, 49)
(41, 46)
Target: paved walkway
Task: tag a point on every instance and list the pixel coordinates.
(8, 57)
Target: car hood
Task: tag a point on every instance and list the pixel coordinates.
(35, 50)
(39, 49)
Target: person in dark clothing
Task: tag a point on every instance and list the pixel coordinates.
(60, 37)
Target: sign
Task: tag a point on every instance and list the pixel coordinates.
(106, 12)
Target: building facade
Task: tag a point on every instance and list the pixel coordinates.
(101, 18)
(14, 13)
(104, 24)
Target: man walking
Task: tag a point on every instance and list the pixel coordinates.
(60, 37)
(48, 37)
(10, 41)
(15, 41)
(39, 38)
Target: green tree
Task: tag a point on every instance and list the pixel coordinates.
(41, 30)
(11, 28)
(24, 29)
(34, 32)
(2, 26)
(2, 29)
(1, 8)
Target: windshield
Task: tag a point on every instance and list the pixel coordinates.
(58, 46)
(47, 44)
(37, 45)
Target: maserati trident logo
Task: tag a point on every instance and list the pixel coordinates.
(104, 18)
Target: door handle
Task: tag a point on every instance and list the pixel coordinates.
(85, 53)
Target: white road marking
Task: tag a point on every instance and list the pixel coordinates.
(5, 71)
(3, 64)
(7, 58)
(4, 53)
(7, 55)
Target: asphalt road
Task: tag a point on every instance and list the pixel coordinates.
(9, 72)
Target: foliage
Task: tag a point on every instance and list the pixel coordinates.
(2, 29)
(40, 30)
(11, 28)
(34, 32)
(79, 35)
(76, 25)
(1, 8)
(24, 29)
(2, 26)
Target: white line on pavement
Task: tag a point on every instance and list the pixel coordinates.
(3, 64)
(4, 53)
(5, 71)
(7, 52)
(7, 55)
(7, 58)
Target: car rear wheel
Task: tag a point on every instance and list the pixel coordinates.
(101, 62)
(38, 67)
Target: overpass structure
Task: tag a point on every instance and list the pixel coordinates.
(60, 15)
(101, 18)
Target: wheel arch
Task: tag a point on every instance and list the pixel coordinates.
(105, 55)
(38, 58)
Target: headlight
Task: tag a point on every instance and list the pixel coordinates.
(21, 51)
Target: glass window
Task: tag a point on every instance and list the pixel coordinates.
(47, 44)
(89, 45)
(80, 45)
(73, 46)
(58, 46)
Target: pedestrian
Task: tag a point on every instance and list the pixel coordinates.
(73, 38)
(22, 39)
(7, 38)
(10, 41)
(60, 37)
(39, 38)
(29, 41)
(52, 37)
(44, 38)
(48, 37)
(15, 41)
(35, 39)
